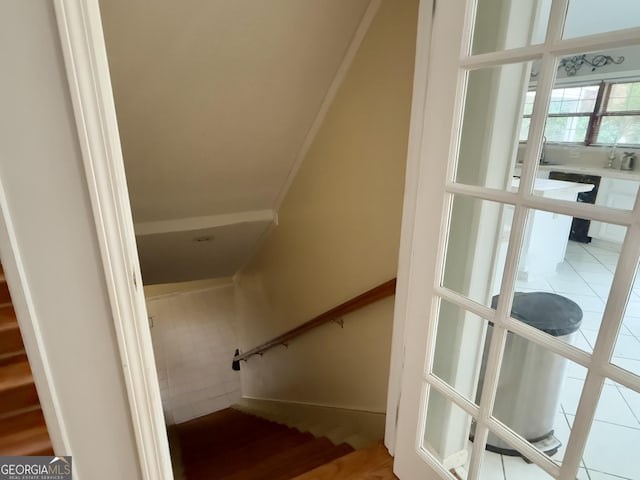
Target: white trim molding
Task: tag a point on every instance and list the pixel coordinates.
(200, 223)
(85, 58)
(29, 324)
(425, 17)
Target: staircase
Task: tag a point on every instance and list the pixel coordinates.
(231, 445)
(22, 427)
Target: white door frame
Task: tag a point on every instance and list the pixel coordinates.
(405, 257)
(85, 57)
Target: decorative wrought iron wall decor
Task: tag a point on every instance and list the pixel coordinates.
(571, 65)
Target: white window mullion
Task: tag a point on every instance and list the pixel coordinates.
(524, 447)
(452, 394)
(596, 42)
(563, 207)
(496, 351)
(496, 59)
(623, 377)
(554, 344)
(498, 339)
(603, 350)
(466, 303)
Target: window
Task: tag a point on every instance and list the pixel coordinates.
(605, 113)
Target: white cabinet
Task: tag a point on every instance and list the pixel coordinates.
(613, 193)
(546, 233)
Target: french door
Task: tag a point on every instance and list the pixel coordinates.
(478, 369)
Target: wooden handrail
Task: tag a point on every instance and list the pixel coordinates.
(370, 296)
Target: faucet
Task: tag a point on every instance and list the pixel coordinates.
(542, 150)
(611, 157)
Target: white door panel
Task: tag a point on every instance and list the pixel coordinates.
(475, 237)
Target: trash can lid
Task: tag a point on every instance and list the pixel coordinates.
(551, 313)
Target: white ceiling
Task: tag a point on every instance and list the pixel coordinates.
(188, 255)
(214, 100)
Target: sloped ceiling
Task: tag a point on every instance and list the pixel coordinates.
(214, 99)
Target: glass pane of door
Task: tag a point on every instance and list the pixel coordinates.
(476, 247)
(499, 292)
(504, 24)
(588, 17)
(494, 105)
(612, 445)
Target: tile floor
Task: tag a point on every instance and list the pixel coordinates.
(613, 447)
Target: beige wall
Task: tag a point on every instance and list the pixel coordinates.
(151, 291)
(338, 236)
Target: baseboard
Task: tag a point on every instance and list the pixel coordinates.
(358, 428)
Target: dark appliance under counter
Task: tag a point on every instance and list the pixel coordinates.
(580, 226)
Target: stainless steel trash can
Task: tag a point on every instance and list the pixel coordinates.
(531, 377)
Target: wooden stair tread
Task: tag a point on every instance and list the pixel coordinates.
(231, 445)
(17, 356)
(15, 375)
(245, 453)
(369, 463)
(24, 419)
(286, 463)
(26, 442)
(7, 316)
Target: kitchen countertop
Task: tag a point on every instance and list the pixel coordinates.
(543, 186)
(591, 170)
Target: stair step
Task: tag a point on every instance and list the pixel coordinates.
(373, 462)
(10, 338)
(24, 419)
(19, 356)
(34, 441)
(230, 445)
(5, 297)
(250, 454)
(15, 375)
(280, 466)
(17, 390)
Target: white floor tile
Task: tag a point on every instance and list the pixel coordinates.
(515, 468)
(633, 400)
(613, 408)
(591, 336)
(562, 286)
(595, 475)
(594, 267)
(591, 321)
(492, 467)
(590, 303)
(633, 324)
(601, 290)
(627, 347)
(570, 395)
(633, 307)
(538, 284)
(581, 342)
(577, 371)
(597, 278)
(613, 449)
(582, 474)
(596, 249)
(628, 364)
(561, 431)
